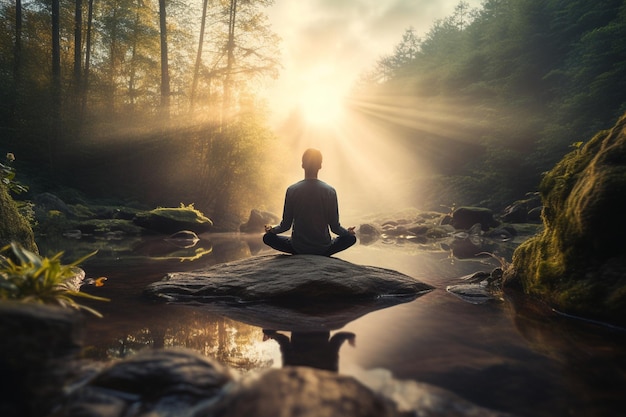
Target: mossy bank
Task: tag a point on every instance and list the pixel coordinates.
(13, 226)
(578, 263)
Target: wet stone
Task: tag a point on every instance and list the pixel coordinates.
(286, 277)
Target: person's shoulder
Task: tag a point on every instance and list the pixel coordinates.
(326, 185)
(296, 184)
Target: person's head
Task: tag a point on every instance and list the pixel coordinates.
(311, 161)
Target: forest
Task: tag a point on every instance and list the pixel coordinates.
(158, 102)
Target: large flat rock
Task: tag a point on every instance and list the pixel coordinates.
(289, 278)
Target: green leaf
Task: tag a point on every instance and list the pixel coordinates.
(25, 256)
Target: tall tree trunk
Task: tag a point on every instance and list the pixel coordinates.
(165, 76)
(85, 78)
(78, 43)
(230, 58)
(78, 49)
(196, 70)
(17, 59)
(133, 61)
(56, 55)
(112, 59)
(56, 84)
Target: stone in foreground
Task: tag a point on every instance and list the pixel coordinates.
(287, 278)
(183, 383)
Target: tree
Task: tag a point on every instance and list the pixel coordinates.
(198, 63)
(17, 59)
(244, 50)
(85, 78)
(78, 41)
(56, 56)
(55, 135)
(17, 54)
(165, 76)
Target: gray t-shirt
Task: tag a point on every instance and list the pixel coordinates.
(311, 208)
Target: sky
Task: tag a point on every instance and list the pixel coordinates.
(328, 44)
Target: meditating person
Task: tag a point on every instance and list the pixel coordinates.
(310, 210)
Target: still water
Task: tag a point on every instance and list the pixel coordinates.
(522, 360)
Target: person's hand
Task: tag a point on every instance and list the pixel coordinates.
(351, 230)
(268, 228)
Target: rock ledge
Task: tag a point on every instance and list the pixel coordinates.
(286, 277)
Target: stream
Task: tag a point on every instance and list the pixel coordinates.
(515, 357)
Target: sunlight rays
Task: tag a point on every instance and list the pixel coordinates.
(439, 117)
(377, 150)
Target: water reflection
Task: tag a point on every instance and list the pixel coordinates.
(581, 350)
(233, 334)
(173, 248)
(235, 344)
(312, 349)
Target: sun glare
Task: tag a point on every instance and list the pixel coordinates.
(321, 104)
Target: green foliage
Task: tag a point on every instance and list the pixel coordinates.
(7, 175)
(534, 75)
(115, 101)
(33, 278)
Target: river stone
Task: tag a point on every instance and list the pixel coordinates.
(287, 278)
(160, 382)
(301, 392)
(257, 221)
(465, 217)
(471, 293)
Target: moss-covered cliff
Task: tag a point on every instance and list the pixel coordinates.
(578, 263)
(13, 226)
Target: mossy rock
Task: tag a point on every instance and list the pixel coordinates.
(578, 263)
(13, 226)
(172, 220)
(104, 226)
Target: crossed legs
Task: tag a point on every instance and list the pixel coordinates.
(283, 243)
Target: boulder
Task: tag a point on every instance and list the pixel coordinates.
(183, 383)
(578, 263)
(257, 221)
(171, 220)
(160, 382)
(48, 202)
(302, 392)
(290, 278)
(466, 217)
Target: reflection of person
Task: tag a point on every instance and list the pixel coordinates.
(310, 209)
(313, 349)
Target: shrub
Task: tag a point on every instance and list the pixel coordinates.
(38, 279)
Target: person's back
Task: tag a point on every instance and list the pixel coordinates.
(314, 206)
(310, 208)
